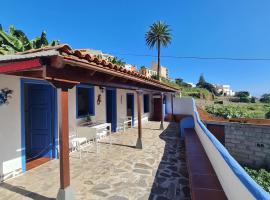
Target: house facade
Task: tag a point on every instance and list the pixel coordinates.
(54, 90)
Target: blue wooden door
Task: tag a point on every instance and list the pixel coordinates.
(130, 106)
(111, 108)
(40, 121)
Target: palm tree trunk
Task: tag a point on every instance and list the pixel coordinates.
(158, 69)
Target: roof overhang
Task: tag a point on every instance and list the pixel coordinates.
(72, 68)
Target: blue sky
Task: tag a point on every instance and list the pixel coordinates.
(205, 28)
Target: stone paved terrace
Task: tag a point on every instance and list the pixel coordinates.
(119, 172)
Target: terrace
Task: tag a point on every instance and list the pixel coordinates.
(119, 171)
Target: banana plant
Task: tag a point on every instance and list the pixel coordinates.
(16, 41)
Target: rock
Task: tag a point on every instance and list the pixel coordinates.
(101, 186)
(88, 182)
(99, 193)
(141, 171)
(165, 175)
(116, 197)
(142, 166)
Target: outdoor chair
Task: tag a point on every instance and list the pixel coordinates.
(80, 139)
(124, 123)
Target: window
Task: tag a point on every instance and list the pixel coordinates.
(85, 100)
(146, 103)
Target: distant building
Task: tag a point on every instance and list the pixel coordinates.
(164, 72)
(192, 84)
(106, 56)
(97, 53)
(225, 90)
(148, 72)
(130, 67)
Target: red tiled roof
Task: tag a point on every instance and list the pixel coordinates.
(83, 56)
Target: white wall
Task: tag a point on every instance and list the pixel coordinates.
(100, 110)
(10, 127)
(10, 119)
(231, 184)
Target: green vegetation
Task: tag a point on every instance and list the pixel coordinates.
(159, 34)
(240, 110)
(196, 92)
(16, 41)
(265, 98)
(262, 177)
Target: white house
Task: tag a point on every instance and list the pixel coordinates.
(54, 89)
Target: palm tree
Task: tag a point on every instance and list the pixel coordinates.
(159, 34)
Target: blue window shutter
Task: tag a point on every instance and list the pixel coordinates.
(92, 101)
(146, 103)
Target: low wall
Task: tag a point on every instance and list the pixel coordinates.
(249, 144)
(235, 181)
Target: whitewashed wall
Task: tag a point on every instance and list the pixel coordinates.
(225, 166)
(10, 119)
(10, 128)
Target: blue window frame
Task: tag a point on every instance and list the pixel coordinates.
(85, 100)
(146, 103)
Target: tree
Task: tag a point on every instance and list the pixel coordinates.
(180, 82)
(242, 94)
(116, 61)
(201, 82)
(159, 34)
(265, 98)
(16, 41)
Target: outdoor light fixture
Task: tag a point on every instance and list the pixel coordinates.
(101, 89)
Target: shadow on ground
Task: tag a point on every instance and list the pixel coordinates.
(171, 179)
(24, 192)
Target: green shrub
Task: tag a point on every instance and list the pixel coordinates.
(262, 177)
(228, 112)
(267, 115)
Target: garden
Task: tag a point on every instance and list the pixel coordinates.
(240, 110)
(261, 176)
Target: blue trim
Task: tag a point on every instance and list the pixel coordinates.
(114, 108)
(91, 91)
(55, 125)
(146, 102)
(257, 191)
(133, 108)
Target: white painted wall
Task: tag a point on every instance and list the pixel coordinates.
(10, 119)
(10, 128)
(231, 184)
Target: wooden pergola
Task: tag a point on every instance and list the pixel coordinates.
(64, 68)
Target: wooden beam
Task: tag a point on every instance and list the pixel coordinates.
(92, 73)
(20, 65)
(139, 139)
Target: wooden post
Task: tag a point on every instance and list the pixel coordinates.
(162, 112)
(65, 192)
(172, 96)
(139, 139)
(64, 141)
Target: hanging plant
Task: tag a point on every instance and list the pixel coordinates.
(5, 94)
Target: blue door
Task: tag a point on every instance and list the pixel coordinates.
(39, 122)
(111, 108)
(130, 106)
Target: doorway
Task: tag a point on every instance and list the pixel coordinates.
(39, 123)
(130, 106)
(111, 108)
(157, 113)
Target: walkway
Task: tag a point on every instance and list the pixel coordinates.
(119, 172)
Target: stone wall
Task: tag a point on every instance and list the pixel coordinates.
(249, 144)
